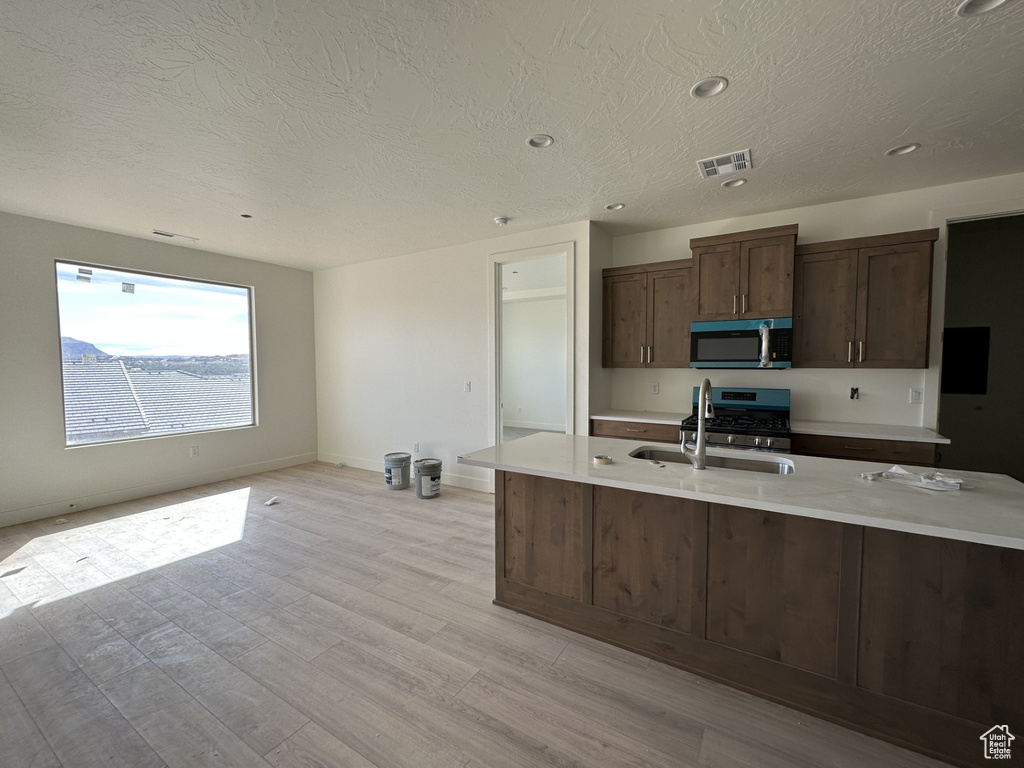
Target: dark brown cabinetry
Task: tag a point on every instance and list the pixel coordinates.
(760, 597)
(864, 302)
(913, 639)
(647, 313)
(744, 274)
(865, 449)
(635, 430)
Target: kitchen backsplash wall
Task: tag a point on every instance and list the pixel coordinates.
(817, 394)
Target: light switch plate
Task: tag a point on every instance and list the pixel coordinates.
(916, 395)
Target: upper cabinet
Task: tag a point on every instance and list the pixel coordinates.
(865, 302)
(647, 314)
(744, 275)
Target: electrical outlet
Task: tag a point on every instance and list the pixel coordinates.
(654, 388)
(916, 395)
(415, 447)
(193, 451)
(467, 386)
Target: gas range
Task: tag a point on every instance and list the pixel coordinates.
(757, 419)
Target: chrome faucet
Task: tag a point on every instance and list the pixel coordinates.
(705, 410)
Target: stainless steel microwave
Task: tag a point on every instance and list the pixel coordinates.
(764, 343)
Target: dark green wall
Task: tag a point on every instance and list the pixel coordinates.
(985, 287)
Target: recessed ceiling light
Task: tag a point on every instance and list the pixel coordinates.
(615, 206)
(246, 215)
(708, 87)
(903, 149)
(501, 221)
(970, 8)
(540, 141)
(734, 183)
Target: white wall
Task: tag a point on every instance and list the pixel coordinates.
(821, 393)
(39, 477)
(533, 363)
(396, 339)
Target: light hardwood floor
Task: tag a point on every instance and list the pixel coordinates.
(347, 625)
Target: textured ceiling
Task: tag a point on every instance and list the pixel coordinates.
(358, 129)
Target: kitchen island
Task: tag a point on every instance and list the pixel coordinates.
(890, 609)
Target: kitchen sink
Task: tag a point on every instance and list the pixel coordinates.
(763, 463)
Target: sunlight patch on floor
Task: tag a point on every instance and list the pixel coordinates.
(80, 555)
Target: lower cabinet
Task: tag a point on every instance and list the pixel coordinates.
(773, 586)
(645, 563)
(913, 639)
(635, 430)
(865, 449)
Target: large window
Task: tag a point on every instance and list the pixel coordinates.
(145, 355)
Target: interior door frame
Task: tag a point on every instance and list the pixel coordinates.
(495, 262)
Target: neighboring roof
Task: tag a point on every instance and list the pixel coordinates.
(107, 401)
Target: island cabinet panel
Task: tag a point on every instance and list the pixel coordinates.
(773, 585)
(544, 534)
(942, 625)
(649, 557)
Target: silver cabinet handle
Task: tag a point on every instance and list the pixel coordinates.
(744, 309)
(648, 355)
(628, 429)
(734, 297)
(860, 352)
(641, 354)
(849, 352)
(857, 448)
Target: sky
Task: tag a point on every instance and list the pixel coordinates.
(164, 315)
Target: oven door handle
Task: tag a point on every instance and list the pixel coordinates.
(765, 361)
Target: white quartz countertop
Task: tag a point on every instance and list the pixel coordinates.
(870, 431)
(799, 426)
(988, 510)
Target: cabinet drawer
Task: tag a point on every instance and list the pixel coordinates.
(635, 430)
(896, 451)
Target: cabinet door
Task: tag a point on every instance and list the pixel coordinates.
(825, 309)
(544, 536)
(942, 624)
(766, 277)
(669, 311)
(893, 302)
(649, 557)
(625, 321)
(718, 288)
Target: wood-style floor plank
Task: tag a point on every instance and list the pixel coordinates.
(175, 725)
(81, 725)
(313, 747)
(22, 744)
(346, 626)
(251, 711)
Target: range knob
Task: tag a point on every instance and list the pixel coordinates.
(730, 439)
(757, 441)
(769, 442)
(692, 436)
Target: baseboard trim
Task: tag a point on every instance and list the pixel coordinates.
(82, 503)
(482, 484)
(535, 425)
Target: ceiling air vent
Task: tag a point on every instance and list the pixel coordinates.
(714, 167)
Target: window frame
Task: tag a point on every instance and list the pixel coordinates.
(253, 388)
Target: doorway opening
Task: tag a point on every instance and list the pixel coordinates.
(533, 342)
(980, 407)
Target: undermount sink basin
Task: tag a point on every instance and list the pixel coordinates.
(766, 463)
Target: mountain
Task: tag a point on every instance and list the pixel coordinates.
(74, 349)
